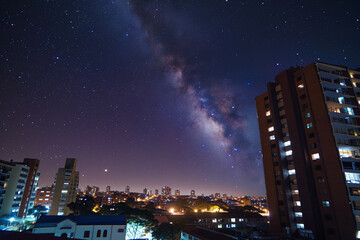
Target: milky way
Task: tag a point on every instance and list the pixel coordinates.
(213, 106)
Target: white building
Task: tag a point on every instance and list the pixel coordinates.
(18, 182)
(83, 227)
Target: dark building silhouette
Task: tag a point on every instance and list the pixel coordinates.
(309, 122)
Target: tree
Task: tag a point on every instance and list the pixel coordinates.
(165, 231)
(150, 207)
(139, 224)
(130, 202)
(84, 206)
(115, 209)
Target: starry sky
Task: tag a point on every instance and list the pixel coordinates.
(156, 92)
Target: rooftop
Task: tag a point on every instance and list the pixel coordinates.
(206, 234)
(50, 221)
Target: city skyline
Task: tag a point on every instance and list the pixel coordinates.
(153, 92)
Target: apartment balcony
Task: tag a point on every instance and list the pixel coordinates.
(343, 119)
(341, 101)
(334, 72)
(348, 142)
(345, 111)
(347, 131)
(339, 91)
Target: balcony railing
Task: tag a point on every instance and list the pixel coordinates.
(344, 91)
(349, 131)
(349, 142)
(348, 101)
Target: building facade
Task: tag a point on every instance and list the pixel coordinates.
(309, 122)
(127, 189)
(166, 191)
(65, 186)
(18, 182)
(82, 227)
(43, 196)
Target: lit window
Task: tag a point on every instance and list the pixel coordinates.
(300, 225)
(292, 172)
(233, 225)
(315, 156)
(295, 192)
(220, 226)
(214, 220)
(233, 220)
(350, 111)
(298, 214)
(326, 203)
(288, 153)
(64, 191)
(270, 129)
(308, 125)
(301, 86)
(352, 177)
(241, 219)
(268, 113)
(287, 143)
(341, 100)
(297, 203)
(345, 153)
(307, 115)
(272, 137)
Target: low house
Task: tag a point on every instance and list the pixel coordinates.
(83, 227)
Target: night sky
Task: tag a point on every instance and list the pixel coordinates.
(156, 92)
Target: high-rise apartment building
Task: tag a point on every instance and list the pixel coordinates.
(309, 122)
(108, 189)
(95, 190)
(65, 185)
(217, 196)
(43, 196)
(127, 189)
(192, 193)
(177, 192)
(166, 191)
(18, 182)
(157, 192)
